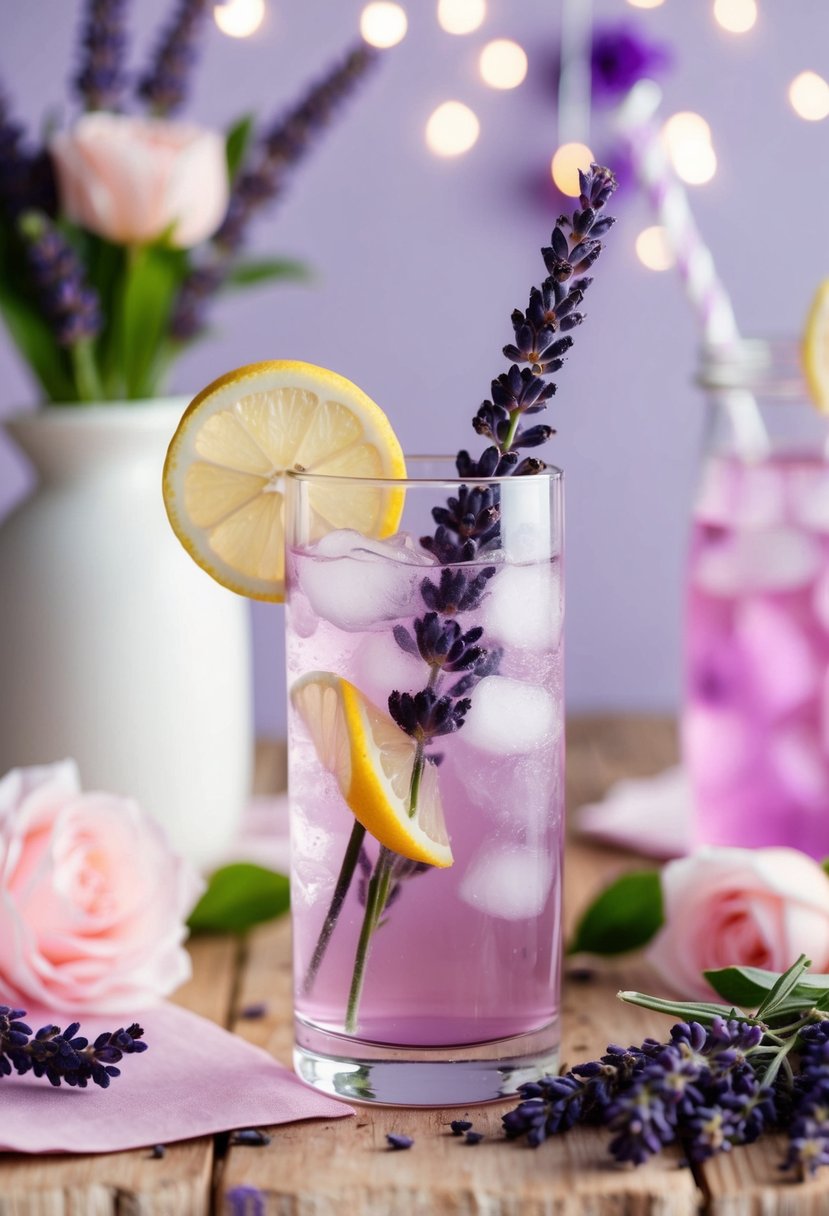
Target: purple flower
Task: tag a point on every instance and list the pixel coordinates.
(620, 57)
(63, 1055)
(397, 1142)
(164, 84)
(101, 76)
(71, 307)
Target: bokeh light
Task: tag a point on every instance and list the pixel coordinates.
(383, 24)
(503, 64)
(566, 164)
(461, 16)
(239, 18)
(809, 95)
(653, 250)
(736, 16)
(645, 3)
(452, 129)
(687, 138)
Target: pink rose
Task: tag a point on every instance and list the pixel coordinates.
(128, 179)
(750, 907)
(92, 900)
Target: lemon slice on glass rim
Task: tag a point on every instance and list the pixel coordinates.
(224, 474)
(372, 760)
(816, 348)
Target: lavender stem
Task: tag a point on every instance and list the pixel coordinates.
(352, 853)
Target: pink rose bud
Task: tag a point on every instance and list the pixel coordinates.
(745, 907)
(131, 179)
(92, 900)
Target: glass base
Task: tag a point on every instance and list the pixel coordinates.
(423, 1076)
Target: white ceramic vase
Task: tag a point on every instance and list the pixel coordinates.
(115, 648)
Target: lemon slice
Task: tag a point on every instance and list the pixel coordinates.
(816, 348)
(224, 473)
(372, 760)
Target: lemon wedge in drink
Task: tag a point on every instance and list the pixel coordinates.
(816, 348)
(224, 473)
(372, 760)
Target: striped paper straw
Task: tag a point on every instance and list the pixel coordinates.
(709, 299)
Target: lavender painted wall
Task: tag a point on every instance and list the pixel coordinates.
(419, 262)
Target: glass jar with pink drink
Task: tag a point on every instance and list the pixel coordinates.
(755, 728)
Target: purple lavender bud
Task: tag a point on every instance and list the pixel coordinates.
(164, 85)
(459, 1126)
(70, 306)
(397, 1142)
(101, 75)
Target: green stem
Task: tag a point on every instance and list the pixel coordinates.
(378, 893)
(417, 773)
(349, 865)
(84, 368)
(515, 418)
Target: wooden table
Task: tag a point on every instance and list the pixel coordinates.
(342, 1168)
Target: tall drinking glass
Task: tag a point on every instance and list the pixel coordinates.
(756, 720)
(425, 722)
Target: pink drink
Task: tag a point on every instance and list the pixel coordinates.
(465, 964)
(756, 726)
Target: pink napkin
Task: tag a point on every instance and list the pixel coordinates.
(650, 815)
(194, 1079)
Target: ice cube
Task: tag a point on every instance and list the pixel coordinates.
(509, 717)
(778, 559)
(716, 745)
(742, 496)
(799, 764)
(809, 496)
(509, 883)
(526, 520)
(301, 618)
(783, 667)
(524, 606)
(357, 582)
(380, 665)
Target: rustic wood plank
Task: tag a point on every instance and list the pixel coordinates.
(325, 1168)
(131, 1183)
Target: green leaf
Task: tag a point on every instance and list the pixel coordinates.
(237, 143)
(250, 271)
(623, 917)
(239, 896)
(694, 1011)
(783, 987)
(750, 986)
(152, 278)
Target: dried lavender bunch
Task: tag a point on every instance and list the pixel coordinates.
(101, 76)
(284, 144)
(63, 1056)
(164, 85)
(724, 1077)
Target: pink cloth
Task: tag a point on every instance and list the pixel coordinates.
(193, 1080)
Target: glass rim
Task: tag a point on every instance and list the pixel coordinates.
(552, 474)
(770, 365)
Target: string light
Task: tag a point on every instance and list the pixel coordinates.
(239, 18)
(452, 129)
(503, 64)
(565, 167)
(383, 24)
(653, 250)
(809, 95)
(736, 16)
(687, 138)
(461, 16)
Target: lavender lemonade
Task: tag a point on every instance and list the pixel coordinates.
(465, 950)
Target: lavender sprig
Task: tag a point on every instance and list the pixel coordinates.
(64, 1056)
(165, 83)
(101, 76)
(282, 147)
(26, 178)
